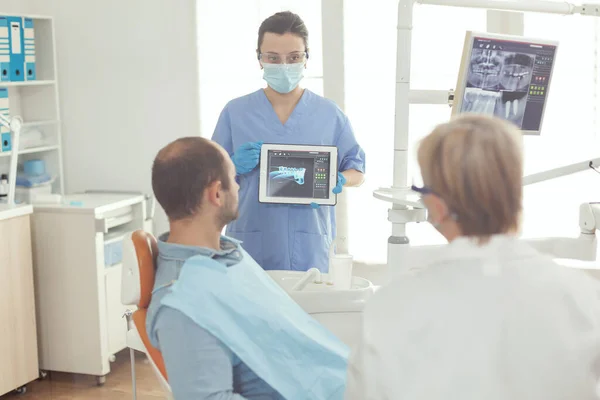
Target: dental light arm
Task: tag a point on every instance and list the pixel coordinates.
(560, 172)
(14, 124)
(541, 6)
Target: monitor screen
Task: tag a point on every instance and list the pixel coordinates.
(506, 76)
(299, 174)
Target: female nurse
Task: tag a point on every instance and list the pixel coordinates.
(278, 236)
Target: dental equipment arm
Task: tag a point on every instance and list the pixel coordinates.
(540, 6)
(14, 124)
(561, 171)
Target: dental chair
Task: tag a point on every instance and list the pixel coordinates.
(139, 267)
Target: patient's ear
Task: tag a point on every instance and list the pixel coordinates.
(214, 193)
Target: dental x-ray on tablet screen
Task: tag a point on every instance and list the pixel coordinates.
(506, 76)
(298, 174)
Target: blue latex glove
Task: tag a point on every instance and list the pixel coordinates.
(246, 157)
(341, 181)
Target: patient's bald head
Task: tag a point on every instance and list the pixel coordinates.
(183, 171)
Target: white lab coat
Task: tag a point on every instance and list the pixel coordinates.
(491, 322)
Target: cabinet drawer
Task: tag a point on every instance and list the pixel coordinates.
(114, 219)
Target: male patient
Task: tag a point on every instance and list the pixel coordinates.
(226, 330)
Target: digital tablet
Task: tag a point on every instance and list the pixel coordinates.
(298, 174)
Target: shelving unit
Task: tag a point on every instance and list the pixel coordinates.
(37, 102)
(34, 124)
(28, 83)
(31, 150)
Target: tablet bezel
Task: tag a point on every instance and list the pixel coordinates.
(263, 173)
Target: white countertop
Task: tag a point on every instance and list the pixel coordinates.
(93, 203)
(18, 210)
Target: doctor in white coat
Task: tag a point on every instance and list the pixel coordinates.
(487, 317)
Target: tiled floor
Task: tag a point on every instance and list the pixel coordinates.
(62, 386)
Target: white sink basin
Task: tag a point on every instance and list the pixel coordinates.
(324, 298)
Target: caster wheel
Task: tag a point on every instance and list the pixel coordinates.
(43, 374)
(100, 380)
(21, 390)
(112, 358)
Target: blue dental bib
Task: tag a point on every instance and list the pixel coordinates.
(257, 320)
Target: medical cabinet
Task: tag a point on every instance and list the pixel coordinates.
(77, 264)
(18, 341)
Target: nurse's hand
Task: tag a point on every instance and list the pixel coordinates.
(341, 181)
(246, 157)
(336, 190)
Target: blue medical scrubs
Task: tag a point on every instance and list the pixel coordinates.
(278, 236)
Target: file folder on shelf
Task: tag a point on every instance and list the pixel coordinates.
(6, 142)
(4, 50)
(29, 40)
(5, 135)
(17, 56)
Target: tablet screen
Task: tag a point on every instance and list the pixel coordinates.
(300, 174)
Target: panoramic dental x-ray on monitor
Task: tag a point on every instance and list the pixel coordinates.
(508, 77)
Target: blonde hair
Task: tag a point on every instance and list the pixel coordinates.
(475, 164)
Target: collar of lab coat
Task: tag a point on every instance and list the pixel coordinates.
(492, 254)
(499, 246)
(499, 250)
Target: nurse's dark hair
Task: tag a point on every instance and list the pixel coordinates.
(181, 172)
(281, 23)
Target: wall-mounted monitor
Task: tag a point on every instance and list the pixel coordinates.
(506, 76)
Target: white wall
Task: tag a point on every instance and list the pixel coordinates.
(128, 85)
(227, 46)
(15, 6)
